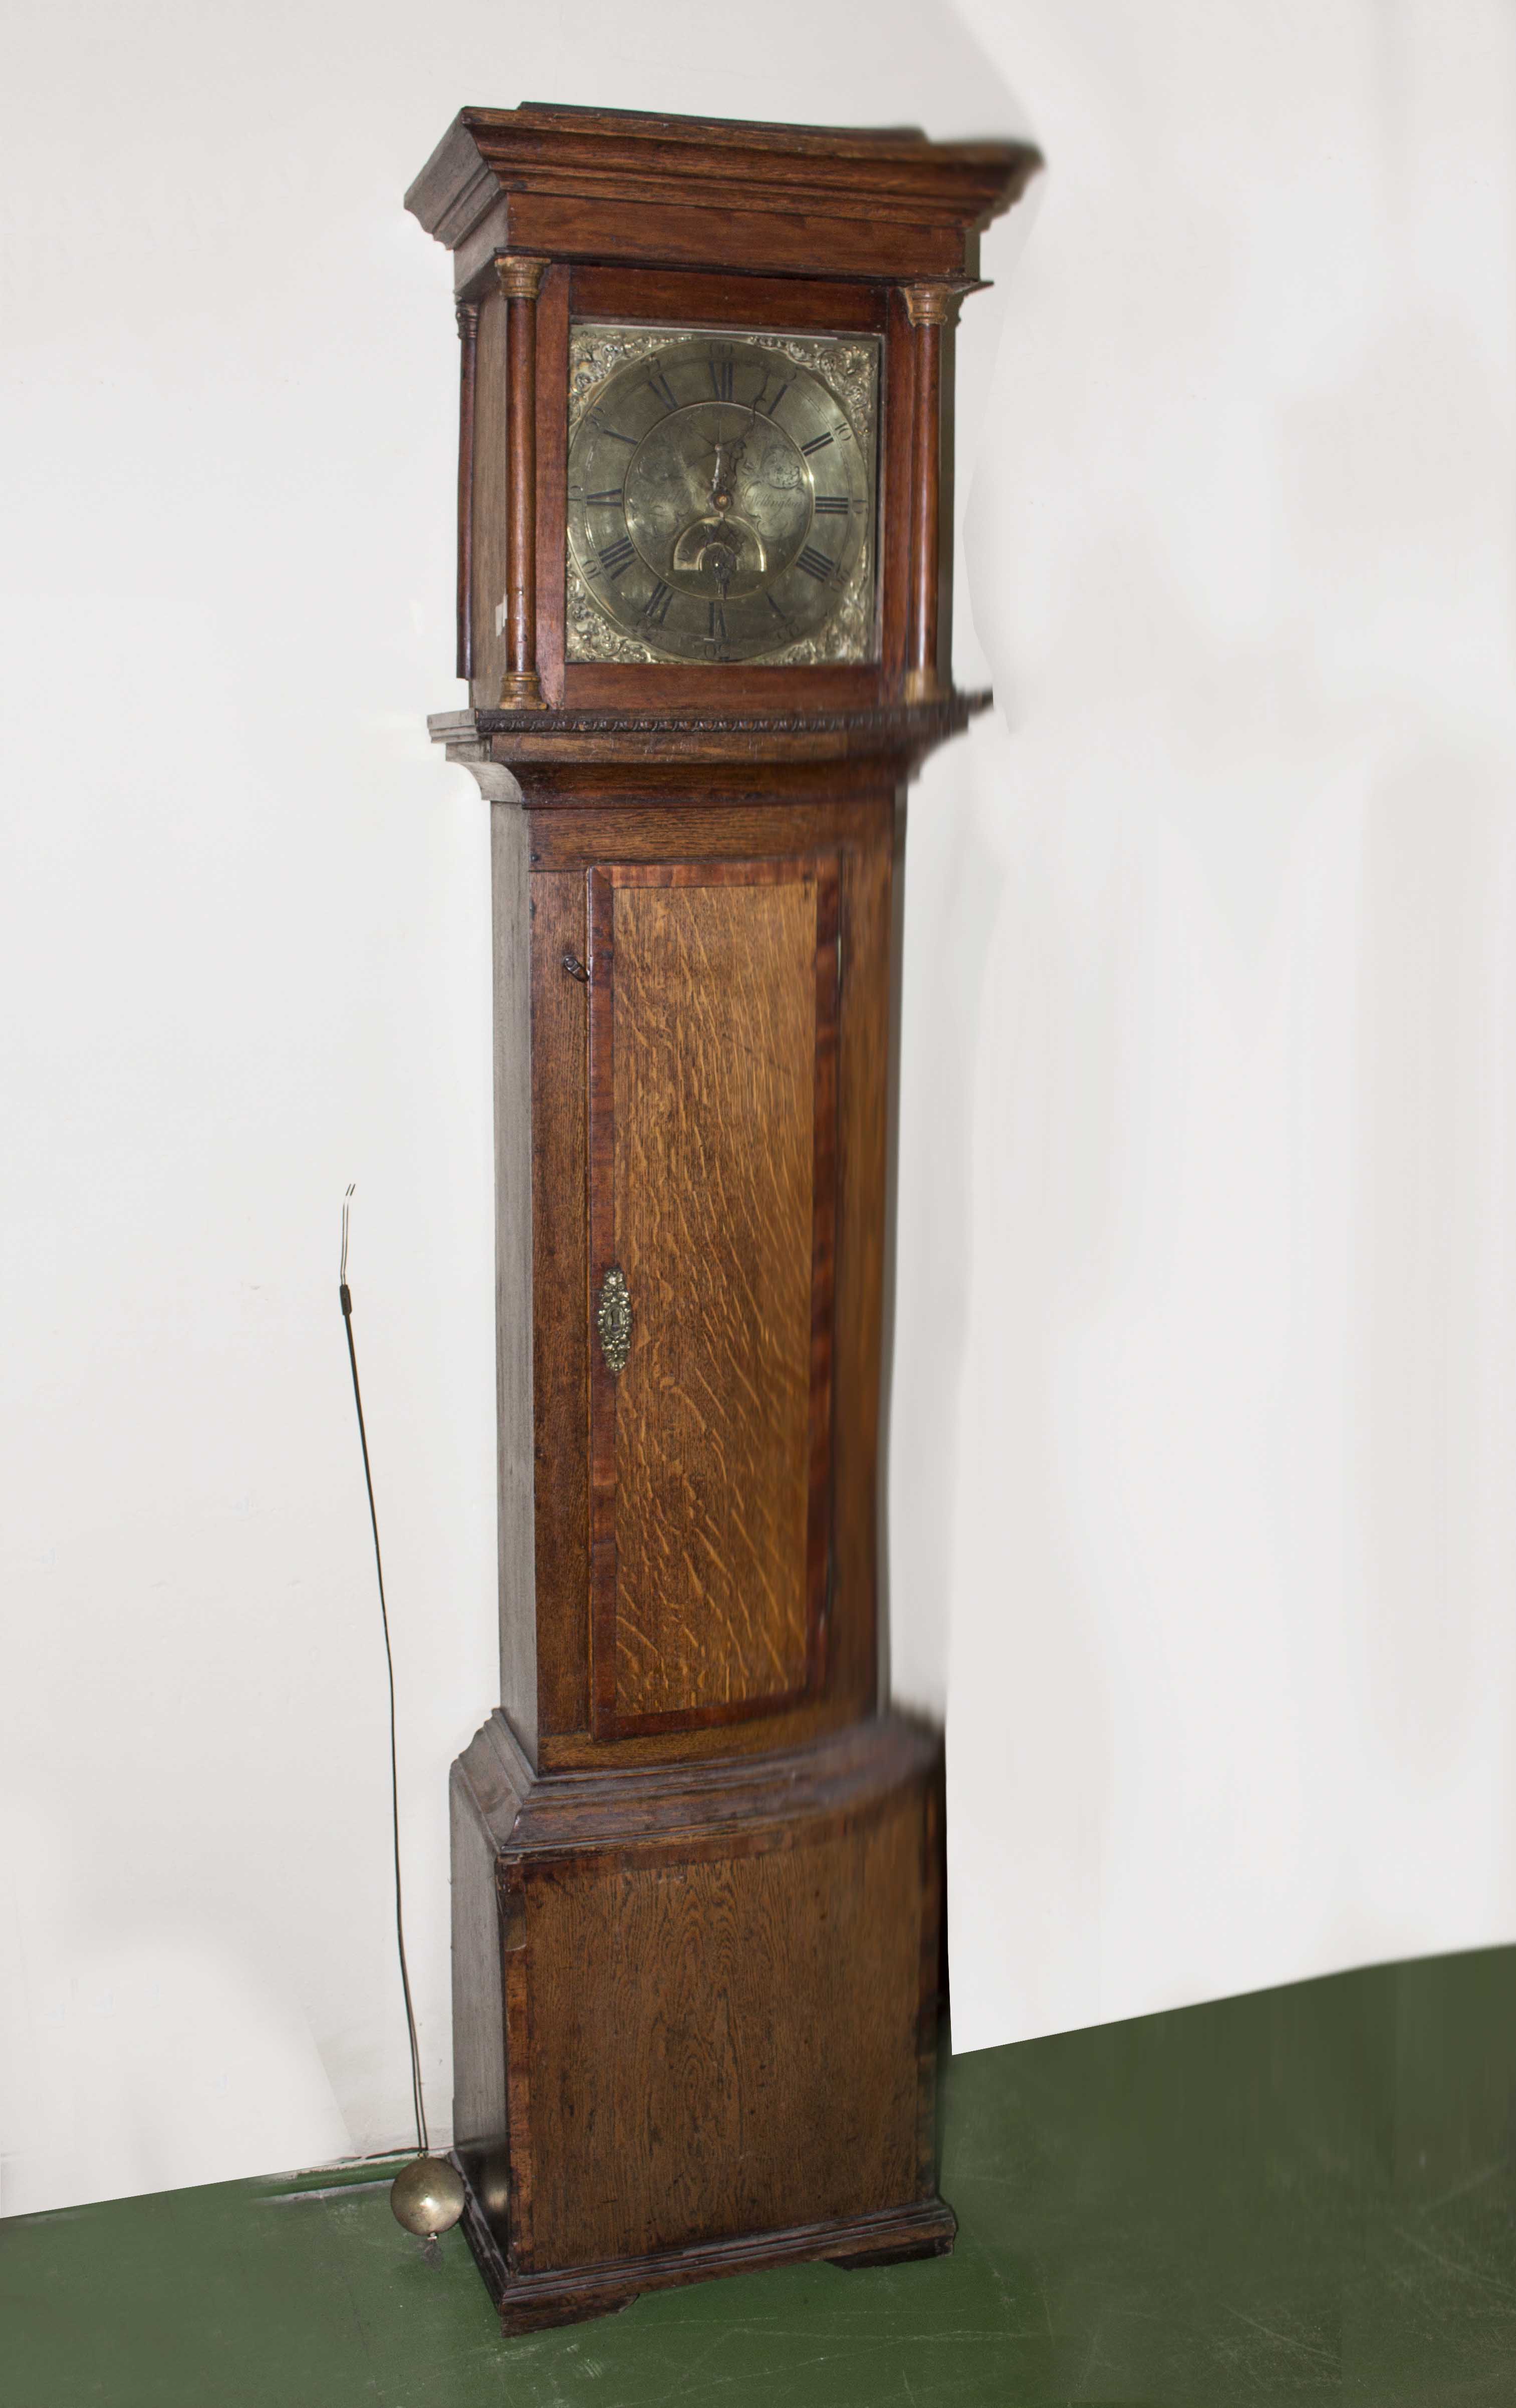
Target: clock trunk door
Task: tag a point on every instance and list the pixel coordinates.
(713, 1175)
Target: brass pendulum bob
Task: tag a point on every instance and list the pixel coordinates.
(427, 2196)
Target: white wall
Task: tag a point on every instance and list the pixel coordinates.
(1206, 1289)
(1221, 1185)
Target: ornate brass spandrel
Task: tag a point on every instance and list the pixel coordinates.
(613, 1321)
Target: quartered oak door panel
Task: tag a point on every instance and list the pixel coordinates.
(713, 1009)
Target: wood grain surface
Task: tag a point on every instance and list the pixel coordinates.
(708, 2012)
(654, 827)
(468, 326)
(640, 741)
(568, 227)
(521, 445)
(480, 2117)
(606, 186)
(711, 1177)
(572, 2295)
(704, 2036)
(489, 505)
(515, 1174)
(897, 466)
(559, 1289)
(857, 834)
(863, 1142)
(680, 298)
(551, 499)
(714, 1119)
(712, 685)
(739, 2087)
(925, 489)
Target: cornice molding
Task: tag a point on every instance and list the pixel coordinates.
(581, 179)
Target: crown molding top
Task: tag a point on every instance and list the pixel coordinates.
(600, 183)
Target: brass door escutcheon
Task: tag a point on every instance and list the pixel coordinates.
(613, 1320)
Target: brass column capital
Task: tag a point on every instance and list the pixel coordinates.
(935, 303)
(521, 278)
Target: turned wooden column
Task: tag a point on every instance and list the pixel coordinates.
(468, 327)
(521, 281)
(930, 308)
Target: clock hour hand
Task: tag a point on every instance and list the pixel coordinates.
(723, 475)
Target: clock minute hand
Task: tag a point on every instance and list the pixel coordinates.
(723, 474)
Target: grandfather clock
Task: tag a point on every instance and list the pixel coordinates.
(702, 612)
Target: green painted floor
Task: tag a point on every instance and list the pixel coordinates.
(1304, 2195)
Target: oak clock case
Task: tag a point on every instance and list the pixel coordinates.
(697, 1858)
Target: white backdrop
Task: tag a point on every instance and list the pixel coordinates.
(1222, 946)
(1203, 1395)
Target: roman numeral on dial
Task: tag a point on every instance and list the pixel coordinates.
(616, 556)
(660, 385)
(655, 609)
(829, 506)
(721, 379)
(816, 443)
(766, 408)
(816, 564)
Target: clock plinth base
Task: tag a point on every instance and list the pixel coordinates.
(696, 2015)
(574, 2295)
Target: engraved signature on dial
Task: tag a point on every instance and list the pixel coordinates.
(719, 501)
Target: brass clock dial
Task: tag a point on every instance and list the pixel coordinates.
(720, 502)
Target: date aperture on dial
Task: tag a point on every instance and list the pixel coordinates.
(719, 501)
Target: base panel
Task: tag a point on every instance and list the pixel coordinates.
(573, 2294)
(695, 2011)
